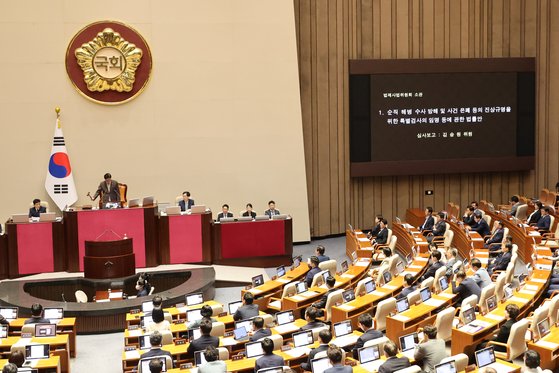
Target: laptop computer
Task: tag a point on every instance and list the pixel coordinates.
(198, 209)
(54, 314)
(261, 217)
(240, 333)
(280, 271)
(320, 365)
(193, 315)
(144, 363)
(194, 333)
(9, 313)
(348, 295)
(354, 256)
(254, 349)
(448, 367)
(408, 343)
(344, 266)
(325, 275)
(36, 352)
(134, 202)
(47, 216)
(145, 344)
(491, 303)
(402, 305)
(296, 261)
(387, 277)
(233, 306)
(194, 299)
(173, 210)
(257, 280)
(4, 329)
(543, 327)
(443, 283)
(485, 357)
(279, 217)
(342, 328)
(247, 324)
(20, 218)
(301, 287)
(147, 307)
(425, 294)
(145, 320)
(304, 338)
(522, 279)
(400, 267)
(199, 358)
(45, 330)
(227, 220)
(244, 218)
(468, 315)
(369, 357)
(370, 286)
(285, 317)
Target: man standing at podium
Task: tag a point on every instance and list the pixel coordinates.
(186, 203)
(109, 188)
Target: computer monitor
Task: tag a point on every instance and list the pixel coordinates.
(408, 342)
(147, 307)
(448, 367)
(53, 313)
(4, 329)
(194, 333)
(45, 330)
(193, 315)
(368, 354)
(144, 363)
(9, 313)
(348, 295)
(145, 344)
(409, 259)
(257, 280)
(400, 267)
(425, 294)
(342, 328)
(543, 328)
(344, 266)
(508, 291)
(247, 324)
(199, 358)
(320, 365)
(233, 306)
(491, 303)
(284, 317)
(325, 275)
(280, 271)
(485, 357)
(145, 320)
(387, 277)
(148, 201)
(240, 333)
(194, 299)
(370, 286)
(522, 279)
(301, 287)
(37, 351)
(296, 261)
(402, 305)
(303, 338)
(254, 349)
(468, 315)
(443, 282)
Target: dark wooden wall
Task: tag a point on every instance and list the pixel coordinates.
(330, 32)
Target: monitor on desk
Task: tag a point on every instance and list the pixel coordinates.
(468, 315)
(348, 295)
(342, 328)
(320, 365)
(409, 259)
(325, 275)
(543, 328)
(280, 217)
(20, 218)
(198, 209)
(425, 294)
(301, 287)
(485, 357)
(387, 277)
(145, 344)
(193, 315)
(37, 351)
(145, 320)
(491, 303)
(409, 341)
(52, 313)
(227, 220)
(344, 266)
(148, 201)
(443, 282)
(254, 349)
(247, 324)
(45, 330)
(4, 329)
(9, 313)
(47, 216)
(368, 354)
(194, 333)
(297, 261)
(280, 271)
(134, 202)
(173, 210)
(240, 333)
(400, 267)
(194, 299)
(370, 286)
(448, 367)
(402, 305)
(303, 338)
(284, 317)
(199, 358)
(233, 306)
(147, 307)
(257, 280)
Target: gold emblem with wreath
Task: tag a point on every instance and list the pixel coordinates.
(109, 62)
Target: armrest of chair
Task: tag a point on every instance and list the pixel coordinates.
(495, 244)
(495, 274)
(487, 236)
(502, 345)
(437, 239)
(426, 231)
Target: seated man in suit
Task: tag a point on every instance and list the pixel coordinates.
(429, 221)
(366, 324)
(544, 224)
(156, 366)
(320, 250)
(408, 286)
(213, 364)
(496, 238)
(259, 331)
(324, 338)
(468, 217)
(311, 313)
(205, 339)
(382, 236)
(335, 355)
(515, 202)
(155, 341)
(435, 264)
(224, 212)
(313, 264)
(109, 189)
(374, 232)
(480, 277)
(439, 229)
(502, 261)
(464, 287)
(37, 315)
(431, 351)
(269, 359)
(249, 211)
(271, 209)
(186, 203)
(451, 260)
(248, 309)
(480, 226)
(535, 217)
(37, 209)
(206, 311)
(393, 362)
(321, 303)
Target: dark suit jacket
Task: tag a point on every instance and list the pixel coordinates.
(439, 228)
(323, 258)
(367, 336)
(535, 217)
(339, 369)
(221, 215)
(271, 212)
(393, 364)
(310, 275)
(261, 333)
(375, 230)
(432, 270)
(156, 351)
(313, 325)
(481, 227)
(502, 261)
(465, 289)
(503, 335)
(322, 302)
(469, 219)
(108, 196)
(33, 213)
(405, 291)
(36, 320)
(312, 354)
(252, 214)
(497, 237)
(544, 222)
(190, 204)
(382, 236)
(246, 312)
(201, 344)
(428, 224)
(268, 361)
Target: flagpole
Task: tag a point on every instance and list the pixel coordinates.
(57, 110)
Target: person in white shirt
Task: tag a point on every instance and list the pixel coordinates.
(481, 276)
(159, 323)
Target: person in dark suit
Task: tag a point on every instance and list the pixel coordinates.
(374, 232)
(224, 212)
(259, 330)
(464, 287)
(313, 263)
(429, 221)
(311, 313)
(187, 202)
(271, 209)
(480, 226)
(393, 362)
(248, 309)
(511, 313)
(324, 338)
(335, 355)
(249, 211)
(431, 351)
(37, 315)
(468, 217)
(435, 264)
(365, 321)
(108, 189)
(155, 341)
(408, 286)
(269, 359)
(439, 229)
(321, 303)
(544, 224)
(502, 261)
(536, 215)
(37, 209)
(496, 238)
(515, 202)
(320, 250)
(205, 339)
(382, 236)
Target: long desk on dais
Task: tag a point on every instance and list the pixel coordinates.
(185, 238)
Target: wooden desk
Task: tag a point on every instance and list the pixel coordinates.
(43, 365)
(176, 313)
(185, 238)
(106, 296)
(358, 242)
(409, 237)
(274, 287)
(57, 343)
(464, 241)
(415, 216)
(66, 326)
(548, 348)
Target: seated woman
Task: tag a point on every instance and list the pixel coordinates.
(249, 211)
(159, 323)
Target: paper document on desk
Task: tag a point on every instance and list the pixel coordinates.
(229, 341)
(298, 298)
(363, 239)
(283, 280)
(347, 275)
(539, 280)
(534, 233)
(378, 293)
(346, 307)
(421, 259)
(518, 299)
(275, 304)
(308, 293)
(531, 287)
(362, 264)
(401, 318)
(132, 355)
(417, 239)
(493, 316)
(471, 328)
(526, 291)
(298, 351)
(115, 295)
(255, 291)
(390, 287)
(415, 267)
(286, 328)
(446, 295)
(434, 302)
(135, 333)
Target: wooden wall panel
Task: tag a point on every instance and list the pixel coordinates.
(330, 32)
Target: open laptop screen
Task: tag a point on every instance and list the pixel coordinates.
(368, 354)
(145, 344)
(233, 306)
(370, 286)
(147, 307)
(240, 333)
(280, 271)
(448, 367)
(9, 313)
(342, 328)
(199, 358)
(320, 365)
(194, 299)
(402, 305)
(257, 280)
(491, 303)
(301, 287)
(45, 330)
(348, 295)
(469, 315)
(425, 294)
(443, 282)
(485, 357)
(254, 349)
(407, 342)
(247, 324)
(53, 313)
(304, 338)
(284, 317)
(38, 351)
(4, 331)
(193, 315)
(543, 327)
(345, 266)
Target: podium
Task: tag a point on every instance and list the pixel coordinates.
(109, 259)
